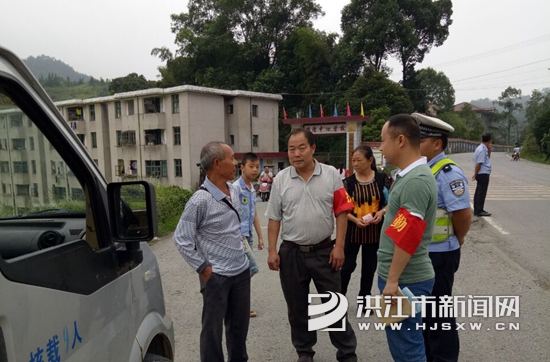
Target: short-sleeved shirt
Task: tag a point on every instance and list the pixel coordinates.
(452, 195)
(209, 232)
(415, 190)
(248, 205)
(482, 156)
(305, 209)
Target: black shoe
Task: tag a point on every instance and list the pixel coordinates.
(305, 358)
(484, 213)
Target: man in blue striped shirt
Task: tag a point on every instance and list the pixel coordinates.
(208, 236)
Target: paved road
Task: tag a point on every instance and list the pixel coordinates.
(492, 264)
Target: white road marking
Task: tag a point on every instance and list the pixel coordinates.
(493, 223)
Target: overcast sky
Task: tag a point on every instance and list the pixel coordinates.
(106, 38)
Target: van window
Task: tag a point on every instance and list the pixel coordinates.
(46, 211)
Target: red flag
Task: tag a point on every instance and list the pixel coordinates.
(348, 110)
(406, 230)
(322, 112)
(342, 202)
(284, 113)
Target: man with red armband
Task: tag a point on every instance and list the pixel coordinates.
(403, 260)
(306, 198)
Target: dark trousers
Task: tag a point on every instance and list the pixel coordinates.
(442, 345)
(481, 192)
(297, 269)
(368, 266)
(225, 300)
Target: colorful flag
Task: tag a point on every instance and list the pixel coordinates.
(284, 113)
(310, 111)
(335, 111)
(348, 110)
(322, 111)
(362, 111)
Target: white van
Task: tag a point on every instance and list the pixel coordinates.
(78, 281)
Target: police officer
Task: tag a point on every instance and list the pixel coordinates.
(453, 219)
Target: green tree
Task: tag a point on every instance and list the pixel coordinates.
(458, 123)
(438, 88)
(129, 83)
(378, 117)
(473, 123)
(509, 100)
(541, 126)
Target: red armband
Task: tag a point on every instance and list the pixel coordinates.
(342, 202)
(406, 230)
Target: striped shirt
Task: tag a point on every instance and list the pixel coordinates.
(305, 209)
(209, 232)
(366, 198)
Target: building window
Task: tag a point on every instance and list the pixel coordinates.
(231, 139)
(254, 110)
(156, 169)
(175, 103)
(4, 167)
(152, 105)
(177, 136)
(92, 112)
(153, 137)
(33, 166)
(177, 168)
(118, 138)
(22, 190)
(2, 121)
(16, 120)
(96, 161)
(3, 144)
(128, 138)
(75, 114)
(94, 140)
(130, 107)
(31, 142)
(53, 167)
(34, 190)
(118, 109)
(29, 122)
(119, 168)
(59, 192)
(20, 167)
(229, 109)
(6, 188)
(18, 143)
(77, 193)
(255, 140)
(82, 138)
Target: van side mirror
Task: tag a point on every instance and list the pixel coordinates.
(132, 211)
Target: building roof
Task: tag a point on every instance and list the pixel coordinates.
(460, 106)
(264, 154)
(172, 90)
(322, 120)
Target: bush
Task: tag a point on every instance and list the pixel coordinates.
(171, 201)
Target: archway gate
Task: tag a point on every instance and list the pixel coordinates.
(331, 126)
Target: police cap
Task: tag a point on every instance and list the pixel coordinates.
(431, 126)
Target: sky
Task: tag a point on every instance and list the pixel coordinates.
(492, 44)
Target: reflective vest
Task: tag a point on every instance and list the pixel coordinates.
(443, 223)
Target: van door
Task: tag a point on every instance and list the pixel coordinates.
(63, 296)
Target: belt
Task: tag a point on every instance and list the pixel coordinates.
(327, 243)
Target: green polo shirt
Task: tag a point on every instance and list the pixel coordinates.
(414, 189)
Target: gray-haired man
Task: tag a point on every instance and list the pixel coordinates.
(208, 237)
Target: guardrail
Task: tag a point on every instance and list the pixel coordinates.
(458, 145)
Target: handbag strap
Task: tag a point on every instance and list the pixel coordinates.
(226, 202)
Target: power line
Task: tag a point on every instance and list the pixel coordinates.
(502, 71)
(505, 76)
(498, 51)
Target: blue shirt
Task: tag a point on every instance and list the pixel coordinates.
(482, 156)
(452, 195)
(248, 203)
(209, 232)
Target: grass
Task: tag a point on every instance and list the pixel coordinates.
(539, 158)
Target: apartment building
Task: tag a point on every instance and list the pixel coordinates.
(158, 133)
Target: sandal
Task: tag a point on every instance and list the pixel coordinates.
(252, 314)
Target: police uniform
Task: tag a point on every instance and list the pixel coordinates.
(452, 195)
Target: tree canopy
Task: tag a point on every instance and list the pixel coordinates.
(437, 87)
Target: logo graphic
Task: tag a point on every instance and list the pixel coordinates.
(399, 223)
(334, 310)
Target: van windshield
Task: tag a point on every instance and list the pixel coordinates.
(35, 181)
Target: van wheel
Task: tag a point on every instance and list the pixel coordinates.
(154, 358)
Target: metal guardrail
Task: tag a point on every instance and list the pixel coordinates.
(458, 145)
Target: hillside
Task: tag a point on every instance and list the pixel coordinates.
(43, 65)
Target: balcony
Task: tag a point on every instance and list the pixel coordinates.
(153, 121)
